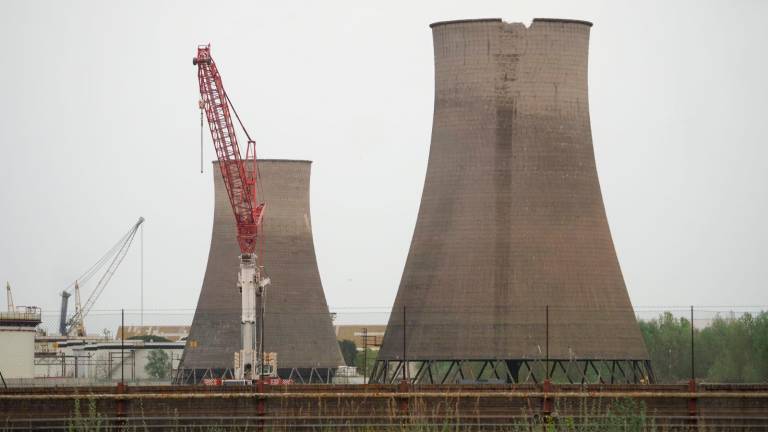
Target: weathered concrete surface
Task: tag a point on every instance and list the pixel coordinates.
(298, 324)
(512, 216)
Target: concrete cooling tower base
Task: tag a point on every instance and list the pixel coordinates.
(493, 371)
(512, 275)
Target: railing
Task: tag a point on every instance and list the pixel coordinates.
(390, 407)
(33, 315)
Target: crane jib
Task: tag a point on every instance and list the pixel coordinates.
(120, 250)
(239, 182)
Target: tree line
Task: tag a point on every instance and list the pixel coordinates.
(728, 350)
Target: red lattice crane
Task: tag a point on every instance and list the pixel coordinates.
(239, 181)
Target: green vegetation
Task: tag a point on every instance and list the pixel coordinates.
(361, 360)
(728, 350)
(348, 351)
(158, 364)
(619, 415)
(353, 357)
(93, 421)
(733, 350)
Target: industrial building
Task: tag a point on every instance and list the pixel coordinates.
(512, 274)
(17, 336)
(364, 336)
(171, 332)
(78, 362)
(298, 325)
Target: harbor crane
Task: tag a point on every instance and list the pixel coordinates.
(75, 325)
(241, 185)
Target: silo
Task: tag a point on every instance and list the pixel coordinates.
(512, 275)
(298, 324)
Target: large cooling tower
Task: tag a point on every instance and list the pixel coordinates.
(512, 260)
(298, 324)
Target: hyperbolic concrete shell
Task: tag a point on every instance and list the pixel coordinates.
(512, 217)
(298, 324)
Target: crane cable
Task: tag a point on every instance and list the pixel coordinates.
(250, 140)
(122, 249)
(259, 186)
(105, 278)
(92, 270)
(200, 104)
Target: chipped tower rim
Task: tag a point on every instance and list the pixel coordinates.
(499, 20)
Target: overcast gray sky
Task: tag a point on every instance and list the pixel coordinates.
(99, 124)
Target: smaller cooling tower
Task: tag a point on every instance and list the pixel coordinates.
(298, 324)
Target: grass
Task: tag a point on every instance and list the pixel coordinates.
(590, 415)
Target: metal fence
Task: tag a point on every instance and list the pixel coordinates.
(723, 344)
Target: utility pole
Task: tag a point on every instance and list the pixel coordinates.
(405, 359)
(122, 346)
(546, 348)
(693, 363)
(365, 355)
(141, 275)
(262, 310)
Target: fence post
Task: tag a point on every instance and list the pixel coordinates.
(365, 355)
(405, 359)
(692, 386)
(120, 402)
(693, 355)
(122, 346)
(547, 402)
(261, 403)
(403, 387)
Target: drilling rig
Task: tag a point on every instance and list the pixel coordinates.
(241, 185)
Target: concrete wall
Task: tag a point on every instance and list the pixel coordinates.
(17, 352)
(512, 217)
(298, 323)
(95, 362)
(106, 363)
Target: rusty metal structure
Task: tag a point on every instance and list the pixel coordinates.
(512, 275)
(387, 407)
(297, 322)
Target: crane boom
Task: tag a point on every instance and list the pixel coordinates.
(241, 186)
(76, 321)
(79, 325)
(239, 182)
